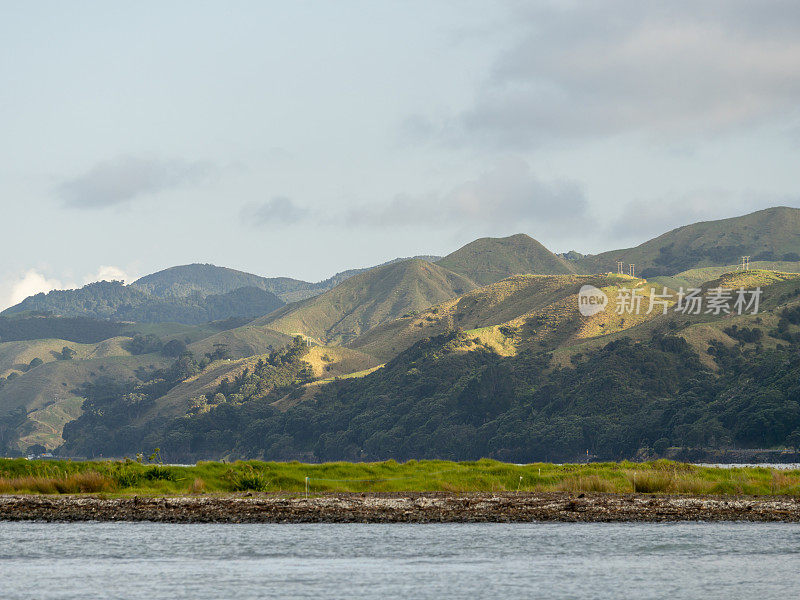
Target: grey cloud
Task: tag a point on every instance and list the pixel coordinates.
(126, 178)
(663, 68)
(509, 195)
(279, 209)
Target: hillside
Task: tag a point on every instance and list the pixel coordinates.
(47, 393)
(772, 234)
(696, 277)
(472, 363)
(368, 299)
(204, 279)
(303, 290)
(112, 300)
(518, 313)
(488, 260)
(628, 397)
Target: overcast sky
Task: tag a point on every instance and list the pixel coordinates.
(304, 138)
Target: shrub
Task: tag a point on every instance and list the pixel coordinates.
(159, 473)
(247, 479)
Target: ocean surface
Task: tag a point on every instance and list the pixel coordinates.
(599, 560)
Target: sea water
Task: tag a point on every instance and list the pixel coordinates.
(539, 560)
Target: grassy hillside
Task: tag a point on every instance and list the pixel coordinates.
(521, 312)
(46, 393)
(241, 342)
(368, 299)
(697, 277)
(767, 235)
(17, 356)
(327, 363)
(488, 260)
(779, 291)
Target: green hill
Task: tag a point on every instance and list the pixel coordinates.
(204, 279)
(368, 299)
(772, 234)
(487, 260)
(112, 300)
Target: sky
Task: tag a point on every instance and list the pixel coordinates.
(304, 138)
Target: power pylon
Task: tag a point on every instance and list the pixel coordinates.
(745, 263)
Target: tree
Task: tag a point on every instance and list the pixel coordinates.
(67, 353)
(174, 348)
(35, 363)
(144, 344)
(36, 449)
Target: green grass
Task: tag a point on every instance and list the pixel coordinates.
(130, 477)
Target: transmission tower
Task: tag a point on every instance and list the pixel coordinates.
(745, 263)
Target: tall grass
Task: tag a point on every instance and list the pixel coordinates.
(76, 483)
(128, 477)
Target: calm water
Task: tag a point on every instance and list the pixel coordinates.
(145, 560)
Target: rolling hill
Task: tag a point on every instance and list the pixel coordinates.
(522, 312)
(488, 260)
(112, 300)
(772, 234)
(368, 299)
(205, 279)
(617, 387)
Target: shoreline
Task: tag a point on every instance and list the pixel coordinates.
(416, 507)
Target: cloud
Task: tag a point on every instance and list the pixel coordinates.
(126, 178)
(508, 195)
(278, 210)
(680, 68)
(109, 273)
(29, 283)
(32, 282)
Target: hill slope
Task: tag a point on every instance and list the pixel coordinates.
(116, 301)
(368, 299)
(772, 234)
(488, 260)
(204, 279)
(521, 312)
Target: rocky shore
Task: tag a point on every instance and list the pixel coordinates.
(400, 508)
